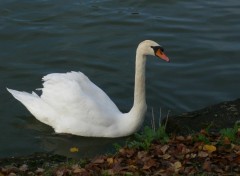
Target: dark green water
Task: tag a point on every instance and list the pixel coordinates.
(99, 38)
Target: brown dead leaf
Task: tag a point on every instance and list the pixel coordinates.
(202, 154)
(207, 165)
(180, 138)
(200, 147)
(110, 161)
(230, 157)
(164, 148)
(23, 168)
(217, 169)
(39, 170)
(141, 154)
(166, 156)
(177, 165)
(235, 147)
(98, 161)
(238, 132)
(158, 150)
(150, 163)
(189, 170)
(237, 159)
(59, 173)
(78, 170)
(226, 141)
(204, 132)
(75, 166)
(127, 152)
(181, 148)
(131, 168)
(189, 138)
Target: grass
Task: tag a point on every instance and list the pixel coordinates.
(231, 134)
(144, 139)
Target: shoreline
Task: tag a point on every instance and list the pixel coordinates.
(218, 116)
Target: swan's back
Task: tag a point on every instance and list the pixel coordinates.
(73, 94)
(74, 90)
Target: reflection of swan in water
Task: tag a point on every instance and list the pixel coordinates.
(71, 103)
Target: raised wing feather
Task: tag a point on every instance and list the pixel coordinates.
(78, 100)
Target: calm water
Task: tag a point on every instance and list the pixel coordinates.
(99, 38)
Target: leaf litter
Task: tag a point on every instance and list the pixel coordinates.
(181, 155)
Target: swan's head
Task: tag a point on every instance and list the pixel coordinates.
(149, 47)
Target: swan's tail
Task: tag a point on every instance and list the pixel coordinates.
(40, 109)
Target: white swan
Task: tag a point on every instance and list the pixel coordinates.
(71, 103)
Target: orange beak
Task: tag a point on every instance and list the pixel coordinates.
(161, 55)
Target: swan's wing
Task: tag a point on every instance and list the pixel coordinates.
(78, 100)
(41, 110)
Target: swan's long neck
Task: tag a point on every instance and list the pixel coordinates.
(136, 115)
(139, 87)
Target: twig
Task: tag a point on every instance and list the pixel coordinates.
(165, 126)
(153, 120)
(160, 117)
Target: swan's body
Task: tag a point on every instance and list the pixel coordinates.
(71, 103)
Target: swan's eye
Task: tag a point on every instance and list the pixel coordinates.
(156, 48)
(161, 48)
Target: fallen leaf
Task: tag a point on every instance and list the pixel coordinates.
(180, 138)
(59, 173)
(164, 148)
(141, 154)
(207, 165)
(110, 161)
(202, 154)
(132, 167)
(74, 150)
(189, 170)
(204, 132)
(189, 138)
(150, 163)
(190, 155)
(181, 148)
(39, 170)
(127, 152)
(166, 156)
(98, 161)
(193, 155)
(12, 174)
(78, 170)
(23, 168)
(237, 160)
(226, 141)
(209, 148)
(200, 147)
(75, 166)
(217, 169)
(177, 165)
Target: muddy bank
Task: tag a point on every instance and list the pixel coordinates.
(222, 115)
